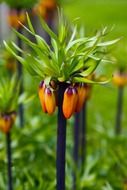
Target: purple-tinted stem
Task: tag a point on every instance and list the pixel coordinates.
(83, 134)
(61, 141)
(76, 146)
(9, 164)
(20, 75)
(119, 111)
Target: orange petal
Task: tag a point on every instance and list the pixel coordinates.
(82, 93)
(14, 18)
(120, 79)
(50, 101)
(5, 123)
(41, 96)
(49, 4)
(69, 102)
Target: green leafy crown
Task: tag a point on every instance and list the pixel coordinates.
(70, 57)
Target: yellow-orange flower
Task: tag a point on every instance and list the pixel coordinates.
(14, 18)
(120, 79)
(50, 101)
(49, 4)
(82, 95)
(69, 101)
(45, 8)
(41, 91)
(6, 122)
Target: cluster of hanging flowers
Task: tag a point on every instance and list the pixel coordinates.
(73, 100)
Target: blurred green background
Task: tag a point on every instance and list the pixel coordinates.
(99, 13)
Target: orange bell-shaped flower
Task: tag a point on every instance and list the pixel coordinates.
(49, 4)
(120, 79)
(49, 100)
(6, 123)
(82, 94)
(69, 101)
(14, 18)
(41, 92)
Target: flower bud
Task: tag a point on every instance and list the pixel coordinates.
(6, 123)
(69, 101)
(41, 91)
(82, 93)
(49, 4)
(49, 99)
(14, 18)
(120, 79)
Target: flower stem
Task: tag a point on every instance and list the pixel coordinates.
(79, 142)
(8, 144)
(83, 134)
(76, 146)
(20, 75)
(119, 111)
(61, 140)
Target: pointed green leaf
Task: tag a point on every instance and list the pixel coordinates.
(108, 43)
(25, 39)
(42, 44)
(90, 68)
(85, 80)
(29, 23)
(47, 29)
(20, 59)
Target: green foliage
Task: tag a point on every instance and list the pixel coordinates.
(9, 92)
(70, 58)
(21, 4)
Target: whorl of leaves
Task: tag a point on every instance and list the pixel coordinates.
(70, 58)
